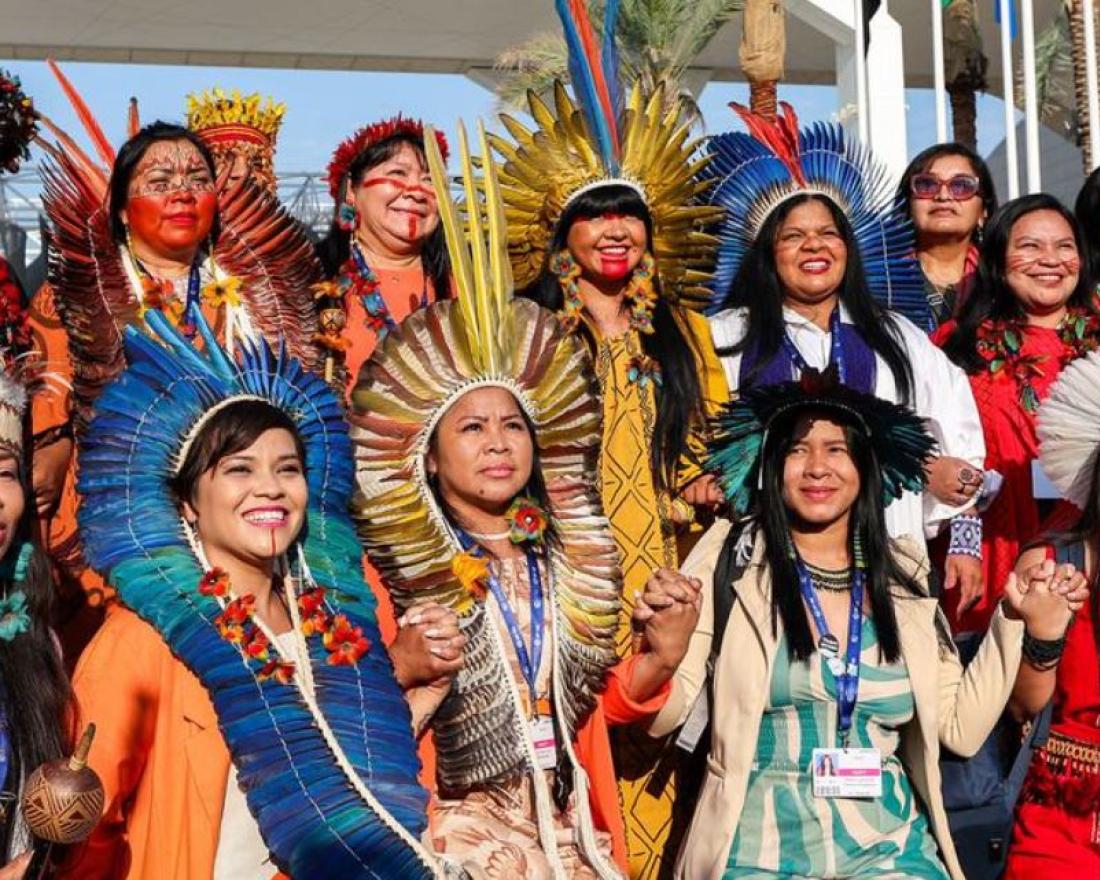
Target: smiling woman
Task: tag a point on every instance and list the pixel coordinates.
(1031, 313)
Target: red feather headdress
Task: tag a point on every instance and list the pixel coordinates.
(367, 137)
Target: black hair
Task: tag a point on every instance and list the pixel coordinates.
(229, 431)
(672, 344)
(867, 521)
(37, 697)
(992, 298)
(926, 158)
(758, 289)
(1087, 211)
(335, 248)
(127, 160)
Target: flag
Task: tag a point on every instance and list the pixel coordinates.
(1013, 25)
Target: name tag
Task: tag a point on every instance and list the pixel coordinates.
(847, 773)
(542, 737)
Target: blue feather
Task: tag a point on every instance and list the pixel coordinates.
(609, 55)
(584, 88)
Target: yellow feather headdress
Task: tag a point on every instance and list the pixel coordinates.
(545, 169)
(485, 338)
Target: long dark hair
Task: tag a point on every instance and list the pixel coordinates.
(868, 521)
(926, 158)
(758, 289)
(127, 160)
(1087, 211)
(992, 298)
(37, 697)
(335, 248)
(1087, 531)
(671, 344)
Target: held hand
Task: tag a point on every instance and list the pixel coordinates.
(668, 611)
(703, 491)
(953, 480)
(965, 574)
(428, 648)
(1044, 598)
(17, 867)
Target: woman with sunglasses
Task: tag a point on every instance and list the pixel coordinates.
(1031, 312)
(947, 191)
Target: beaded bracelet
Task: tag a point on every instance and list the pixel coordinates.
(1043, 655)
(966, 536)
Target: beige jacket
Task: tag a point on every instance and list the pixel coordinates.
(953, 707)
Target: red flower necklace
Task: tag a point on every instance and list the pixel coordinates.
(344, 642)
(1000, 344)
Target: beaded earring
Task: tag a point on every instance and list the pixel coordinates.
(568, 272)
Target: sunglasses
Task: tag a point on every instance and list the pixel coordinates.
(961, 187)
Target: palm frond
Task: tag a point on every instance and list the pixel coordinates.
(532, 66)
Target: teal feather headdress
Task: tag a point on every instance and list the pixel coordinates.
(334, 787)
(898, 436)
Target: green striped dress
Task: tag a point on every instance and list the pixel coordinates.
(787, 832)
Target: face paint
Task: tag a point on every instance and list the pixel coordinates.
(169, 167)
(396, 205)
(608, 247)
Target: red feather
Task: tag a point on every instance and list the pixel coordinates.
(99, 139)
(368, 136)
(133, 119)
(781, 136)
(579, 10)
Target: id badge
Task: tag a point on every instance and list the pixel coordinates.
(847, 773)
(542, 736)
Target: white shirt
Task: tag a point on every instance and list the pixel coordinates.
(941, 396)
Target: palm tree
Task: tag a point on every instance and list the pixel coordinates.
(964, 67)
(658, 40)
(1061, 78)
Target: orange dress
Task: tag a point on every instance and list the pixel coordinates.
(157, 745)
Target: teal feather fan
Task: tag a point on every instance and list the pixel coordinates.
(319, 817)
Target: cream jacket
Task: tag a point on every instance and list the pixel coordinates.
(953, 707)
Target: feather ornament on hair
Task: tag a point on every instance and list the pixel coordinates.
(87, 118)
(590, 86)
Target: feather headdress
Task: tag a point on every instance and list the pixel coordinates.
(332, 781)
(485, 338)
(751, 174)
(365, 138)
(1069, 429)
(898, 436)
(598, 138)
(261, 245)
(18, 123)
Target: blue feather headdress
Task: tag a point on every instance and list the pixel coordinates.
(898, 436)
(333, 787)
(752, 174)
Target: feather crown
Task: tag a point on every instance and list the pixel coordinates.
(18, 123)
(219, 117)
(369, 135)
(751, 174)
(1068, 426)
(742, 430)
(598, 138)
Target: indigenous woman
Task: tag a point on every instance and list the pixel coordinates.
(828, 645)
(810, 267)
(478, 495)
(147, 232)
(240, 132)
(35, 699)
(603, 230)
(948, 194)
(249, 718)
(1031, 313)
(1057, 830)
(385, 251)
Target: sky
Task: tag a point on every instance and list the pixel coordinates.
(323, 107)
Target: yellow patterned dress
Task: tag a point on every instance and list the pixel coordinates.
(641, 523)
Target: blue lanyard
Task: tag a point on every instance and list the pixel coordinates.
(5, 741)
(836, 350)
(529, 662)
(846, 672)
(194, 286)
